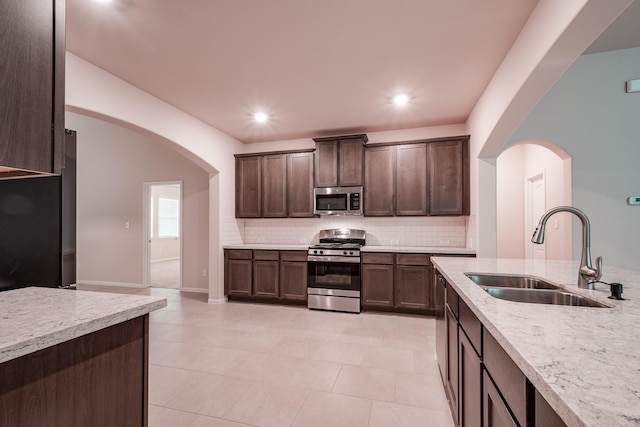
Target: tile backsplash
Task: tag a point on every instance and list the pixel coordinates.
(410, 231)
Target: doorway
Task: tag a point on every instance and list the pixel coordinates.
(163, 234)
(535, 196)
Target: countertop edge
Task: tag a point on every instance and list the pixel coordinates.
(39, 342)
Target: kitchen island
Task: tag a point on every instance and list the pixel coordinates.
(584, 361)
(72, 358)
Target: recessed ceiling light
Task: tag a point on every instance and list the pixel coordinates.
(103, 1)
(260, 117)
(401, 100)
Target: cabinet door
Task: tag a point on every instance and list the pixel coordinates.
(545, 415)
(377, 285)
(379, 180)
(293, 280)
(326, 164)
(495, 412)
(350, 158)
(248, 187)
(32, 76)
(413, 287)
(239, 277)
(266, 277)
(300, 185)
(274, 184)
(448, 178)
(470, 393)
(452, 361)
(440, 285)
(411, 179)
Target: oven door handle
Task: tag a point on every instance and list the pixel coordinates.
(346, 260)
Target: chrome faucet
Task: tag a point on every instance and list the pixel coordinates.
(587, 274)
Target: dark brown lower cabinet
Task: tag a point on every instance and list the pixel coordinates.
(413, 287)
(545, 415)
(452, 362)
(470, 393)
(495, 412)
(266, 274)
(377, 280)
(99, 379)
(239, 276)
(293, 275)
(266, 278)
(483, 384)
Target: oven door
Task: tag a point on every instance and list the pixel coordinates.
(334, 276)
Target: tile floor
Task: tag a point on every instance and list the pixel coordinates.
(240, 364)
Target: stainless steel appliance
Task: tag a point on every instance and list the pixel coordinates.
(334, 276)
(337, 201)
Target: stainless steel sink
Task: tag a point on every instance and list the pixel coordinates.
(528, 289)
(542, 296)
(496, 281)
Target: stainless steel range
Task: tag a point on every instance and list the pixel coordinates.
(333, 281)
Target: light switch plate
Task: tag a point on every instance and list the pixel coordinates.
(634, 200)
(633, 85)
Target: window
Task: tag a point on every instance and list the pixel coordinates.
(168, 218)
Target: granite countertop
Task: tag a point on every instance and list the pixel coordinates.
(367, 248)
(35, 318)
(420, 249)
(585, 361)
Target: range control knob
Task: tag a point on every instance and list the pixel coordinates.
(321, 252)
(344, 252)
(350, 252)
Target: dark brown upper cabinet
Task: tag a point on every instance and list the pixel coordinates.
(411, 179)
(249, 187)
(449, 177)
(274, 185)
(395, 180)
(338, 161)
(300, 185)
(418, 178)
(379, 180)
(32, 41)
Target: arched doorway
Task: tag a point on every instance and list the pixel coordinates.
(532, 177)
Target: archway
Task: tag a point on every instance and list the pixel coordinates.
(532, 177)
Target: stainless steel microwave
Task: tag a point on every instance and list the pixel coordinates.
(337, 201)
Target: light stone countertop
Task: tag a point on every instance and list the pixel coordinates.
(270, 246)
(420, 249)
(585, 361)
(35, 318)
(367, 248)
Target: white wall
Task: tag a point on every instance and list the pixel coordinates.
(113, 164)
(589, 115)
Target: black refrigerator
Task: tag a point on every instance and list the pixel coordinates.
(38, 227)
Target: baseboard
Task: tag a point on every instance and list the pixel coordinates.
(196, 290)
(217, 301)
(164, 259)
(103, 283)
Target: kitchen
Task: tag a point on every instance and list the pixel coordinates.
(221, 190)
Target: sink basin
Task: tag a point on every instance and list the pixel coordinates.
(542, 296)
(522, 282)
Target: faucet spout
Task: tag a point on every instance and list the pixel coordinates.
(587, 273)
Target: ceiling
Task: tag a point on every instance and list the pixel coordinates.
(316, 68)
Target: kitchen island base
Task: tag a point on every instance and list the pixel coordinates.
(98, 379)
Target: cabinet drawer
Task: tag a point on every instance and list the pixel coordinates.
(471, 326)
(452, 300)
(413, 259)
(508, 378)
(377, 258)
(293, 255)
(239, 253)
(266, 255)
